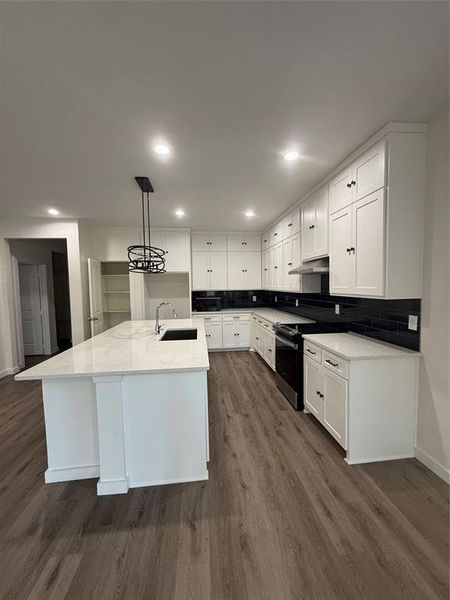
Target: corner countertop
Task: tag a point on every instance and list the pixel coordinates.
(128, 349)
(269, 314)
(357, 347)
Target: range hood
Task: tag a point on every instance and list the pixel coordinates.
(320, 265)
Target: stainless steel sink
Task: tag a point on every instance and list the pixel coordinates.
(179, 334)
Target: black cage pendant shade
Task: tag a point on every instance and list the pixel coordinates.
(145, 258)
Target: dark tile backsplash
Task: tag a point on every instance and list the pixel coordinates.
(385, 320)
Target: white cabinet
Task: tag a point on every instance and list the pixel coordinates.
(325, 396)
(291, 223)
(177, 247)
(213, 329)
(243, 242)
(362, 177)
(244, 270)
(263, 340)
(236, 331)
(276, 233)
(276, 267)
(265, 240)
(209, 270)
(265, 270)
(357, 247)
(209, 241)
(314, 225)
(291, 258)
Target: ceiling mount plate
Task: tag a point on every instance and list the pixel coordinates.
(145, 184)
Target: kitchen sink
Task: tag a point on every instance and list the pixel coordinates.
(179, 334)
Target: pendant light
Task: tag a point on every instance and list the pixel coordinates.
(145, 258)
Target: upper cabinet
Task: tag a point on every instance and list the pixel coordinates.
(376, 227)
(209, 270)
(243, 242)
(364, 176)
(276, 233)
(204, 241)
(177, 247)
(314, 225)
(291, 223)
(244, 270)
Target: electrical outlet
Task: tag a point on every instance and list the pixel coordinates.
(276, 298)
(254, 298)
(413, 322)
(337, 309)
(296, 302)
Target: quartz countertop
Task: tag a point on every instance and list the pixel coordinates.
(270, 314)
(356, 347)
(127, 349)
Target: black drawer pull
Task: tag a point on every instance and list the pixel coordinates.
(310, 351)
(332, 363)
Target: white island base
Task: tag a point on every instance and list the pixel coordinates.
(129, 430)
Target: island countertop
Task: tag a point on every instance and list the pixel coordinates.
(127, 349)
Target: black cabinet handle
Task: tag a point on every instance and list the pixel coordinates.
(312, 226)
(352, 249)
(289, 224)
(265, 269)
(349, 185)
(269, 349)
(257, 339)
(310, 351)
(352, 182)
(319, 394)
(289, 264)
(275, 267)
(348, 250)
(332, 363)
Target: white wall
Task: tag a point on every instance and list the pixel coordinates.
(169, 287)
(32, 229)
(433, 418)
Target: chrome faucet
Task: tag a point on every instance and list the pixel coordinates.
(157, 324)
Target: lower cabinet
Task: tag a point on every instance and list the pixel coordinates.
(236, 331)
(263, 340)
(326, 396)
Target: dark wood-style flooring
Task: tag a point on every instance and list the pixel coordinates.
(282, 516)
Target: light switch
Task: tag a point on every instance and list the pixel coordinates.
(337, 309)
(413, 322)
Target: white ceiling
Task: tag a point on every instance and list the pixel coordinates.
(88, 87)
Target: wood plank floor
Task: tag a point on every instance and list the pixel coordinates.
(282, 517)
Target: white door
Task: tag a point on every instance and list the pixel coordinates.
(341, 190)
(308, 216)
(95, 296)
(252, 267)
(236, 271)
(313, 388)
(369, 171)
(31, 309)
(335, 406)
(218, 270)
(369, 245)
(177, 251)
(213, 334)
(230, 337)
(321, 229)
(244, 333)
(200, 270)
(277, 267)
(341, 255)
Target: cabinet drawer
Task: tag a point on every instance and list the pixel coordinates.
(245, 317)
(312, 351)
(212, 318)
(335, 363)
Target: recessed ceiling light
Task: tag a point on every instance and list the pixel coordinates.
(180, 212)
(53, 211)
(162, 149)
(249, 213)
(291, 155)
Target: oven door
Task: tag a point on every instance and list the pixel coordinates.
(286, 365)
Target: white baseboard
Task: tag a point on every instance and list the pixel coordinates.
(137, 484)
(106, 487)
(10, 371)
(360, 461)
(432, 464)
(72, 473)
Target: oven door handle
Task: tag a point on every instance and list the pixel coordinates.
(287, 343)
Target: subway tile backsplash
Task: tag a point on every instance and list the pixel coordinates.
(385, 320)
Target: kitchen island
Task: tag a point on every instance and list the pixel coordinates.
(128, 407)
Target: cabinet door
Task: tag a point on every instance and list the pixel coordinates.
(369, 245)
(244, 333)
(321, 222)
(217, 242)
(236, 271)
(270, 268)
(265, 270)
(312, 388)
(230, 334)
(277, 270)
(236, 242)
(158, 239)
(177, 251)
(291, 259)
(265, 240)
(200, 241)
(276, 232)
(200, 271)
(252, 267)
(341, 258)
(269, 348)
(369, 171)
(341, 190)
(214, 334)
(218, 270)
(291, 223)
(259, 339)
(252, 243)
(308, 220)
(335, 406)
